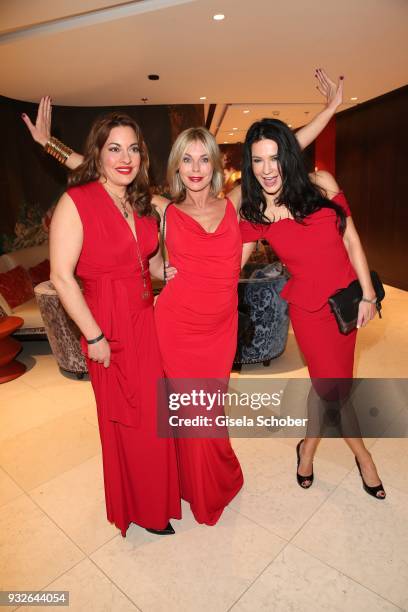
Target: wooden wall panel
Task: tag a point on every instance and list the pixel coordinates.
(372, 168)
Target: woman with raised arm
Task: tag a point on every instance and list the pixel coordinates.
(104, 229)
(308, 225)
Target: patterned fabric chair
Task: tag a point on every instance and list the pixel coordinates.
(63, 335)
(263, 317)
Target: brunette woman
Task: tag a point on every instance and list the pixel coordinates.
(104, 230)
(308, 225)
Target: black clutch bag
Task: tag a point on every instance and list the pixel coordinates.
(345, 302)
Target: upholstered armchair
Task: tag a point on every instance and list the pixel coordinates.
(63, 335)
(263, 317)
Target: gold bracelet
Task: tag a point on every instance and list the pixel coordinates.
(57, 149)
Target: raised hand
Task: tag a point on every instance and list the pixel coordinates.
(41, 131)
(328, 88)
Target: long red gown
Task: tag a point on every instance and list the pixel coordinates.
(140, 469)
(196, 320)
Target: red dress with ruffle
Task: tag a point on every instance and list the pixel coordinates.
(140, 469)
(319, 265)
(196, 320)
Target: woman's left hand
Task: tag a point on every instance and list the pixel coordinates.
(366, 312)
(171, 271)
(328, 88)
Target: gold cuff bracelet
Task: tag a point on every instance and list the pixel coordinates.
(58, 150)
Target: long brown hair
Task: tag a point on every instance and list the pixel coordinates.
(138, 191)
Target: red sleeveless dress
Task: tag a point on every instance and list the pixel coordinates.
(196, 321)
(140, 469)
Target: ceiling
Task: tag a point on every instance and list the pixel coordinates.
(260, 58)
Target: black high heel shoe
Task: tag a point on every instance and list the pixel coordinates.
(302, 479)
(371, 490)
(166, 531)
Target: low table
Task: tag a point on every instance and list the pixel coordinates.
(9, 348)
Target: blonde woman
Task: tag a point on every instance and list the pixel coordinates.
(196, 314)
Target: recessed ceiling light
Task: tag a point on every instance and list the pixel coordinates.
(231, 134)
(354, 98)
(225, 141)
(246, 111)
(218, 17)
(234, 128)
(289, 125)
(203, 98)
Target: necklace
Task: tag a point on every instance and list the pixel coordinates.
(122, 201)
(146, 291)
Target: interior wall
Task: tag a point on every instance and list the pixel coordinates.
(371, 167)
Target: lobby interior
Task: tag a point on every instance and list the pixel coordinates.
(277, 547)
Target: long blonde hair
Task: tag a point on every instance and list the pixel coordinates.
(195, 134)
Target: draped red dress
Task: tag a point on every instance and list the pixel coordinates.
(140, 469)
(196, 320)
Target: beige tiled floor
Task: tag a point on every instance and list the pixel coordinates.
(276, 548)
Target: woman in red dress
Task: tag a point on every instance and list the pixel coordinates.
(317, 240)
(104, 229)
(196, 314)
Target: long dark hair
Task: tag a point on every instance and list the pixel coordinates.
(138, 191)
(300, 196)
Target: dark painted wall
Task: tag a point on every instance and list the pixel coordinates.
(372, 168)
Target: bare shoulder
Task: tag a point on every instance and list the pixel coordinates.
(325, 181)
(66, 204)
(235, 196)
(66, 212)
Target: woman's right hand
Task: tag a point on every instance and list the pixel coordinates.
(100, 352)
(41, 131)
(328, 88)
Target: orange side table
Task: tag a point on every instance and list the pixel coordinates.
(9, 348)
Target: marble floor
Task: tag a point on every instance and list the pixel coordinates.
(276, 548)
